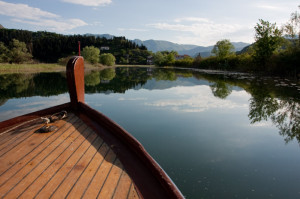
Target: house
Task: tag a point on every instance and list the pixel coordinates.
(150, 60)
(104, 48)
(179, 57)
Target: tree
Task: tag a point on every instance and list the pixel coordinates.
(19, 52)
(292, 28)
(107, 59)
(268, 39)
(223, 48)
(158, 58)
(4, 53)
(91, 54)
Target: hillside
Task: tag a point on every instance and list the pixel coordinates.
(192, 50)
(160, 45)
(1, 27)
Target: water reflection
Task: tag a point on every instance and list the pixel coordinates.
(271, 99)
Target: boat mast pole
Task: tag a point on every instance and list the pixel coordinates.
(78, 48)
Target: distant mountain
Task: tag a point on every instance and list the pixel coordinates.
(1, 27)
(192, 50)
(160, 45)
(182, 49)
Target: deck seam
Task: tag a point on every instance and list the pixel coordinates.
(117, 184)
(85, 167)
(74, 164)
(95, 173)
(38, 146)
(129, 190)
(13, 131)
(107, 176)
(41, 152)
(40, 163)
(30, 134)
(12, 128)
(54, 161)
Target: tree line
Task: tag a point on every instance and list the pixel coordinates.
(276, 51)
(50, 47)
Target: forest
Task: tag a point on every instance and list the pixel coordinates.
(49, 47)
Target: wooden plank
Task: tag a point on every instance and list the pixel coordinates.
(39, 153)
(60, 168)
(78, 168)
(123, 186)
(85, 179)
(14, 134)
(99, 178)
(111, 181)
(133, 193)
(27, 146)
(7, 146)
(16, 185)
(74, 153)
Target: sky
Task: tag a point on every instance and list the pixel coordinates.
(195, 22)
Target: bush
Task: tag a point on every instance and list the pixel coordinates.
(19, 52)
(107, 59)
(91, 54)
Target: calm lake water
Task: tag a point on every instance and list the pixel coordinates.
(216, 134)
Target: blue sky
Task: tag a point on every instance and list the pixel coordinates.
(185, 22)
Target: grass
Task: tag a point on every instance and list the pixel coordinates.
(30, 68)
(37, 68)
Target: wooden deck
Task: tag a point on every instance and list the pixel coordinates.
(71, 162)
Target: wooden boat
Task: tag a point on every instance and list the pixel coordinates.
(87, 156)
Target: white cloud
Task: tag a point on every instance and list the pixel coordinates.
(269, 7)
(23, 13)
(89, 2)
(200, 101)
(201, 30)
(192, 19)
(132, 29)
(132, 99)
(53, 25)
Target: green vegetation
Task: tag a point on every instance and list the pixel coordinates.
(50, 47)
(268, 39)
(91, 54)
(223, 49)
(107, 59)
(15, 53)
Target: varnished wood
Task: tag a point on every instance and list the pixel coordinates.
(72, 162)
(75, 77)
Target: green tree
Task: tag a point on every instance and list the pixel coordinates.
(91, 54)
(107, 59)
(19, 52)
(268, 39)
(4, 53)
(158, 58)
(223, 48)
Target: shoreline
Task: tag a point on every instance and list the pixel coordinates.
(6, 68)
